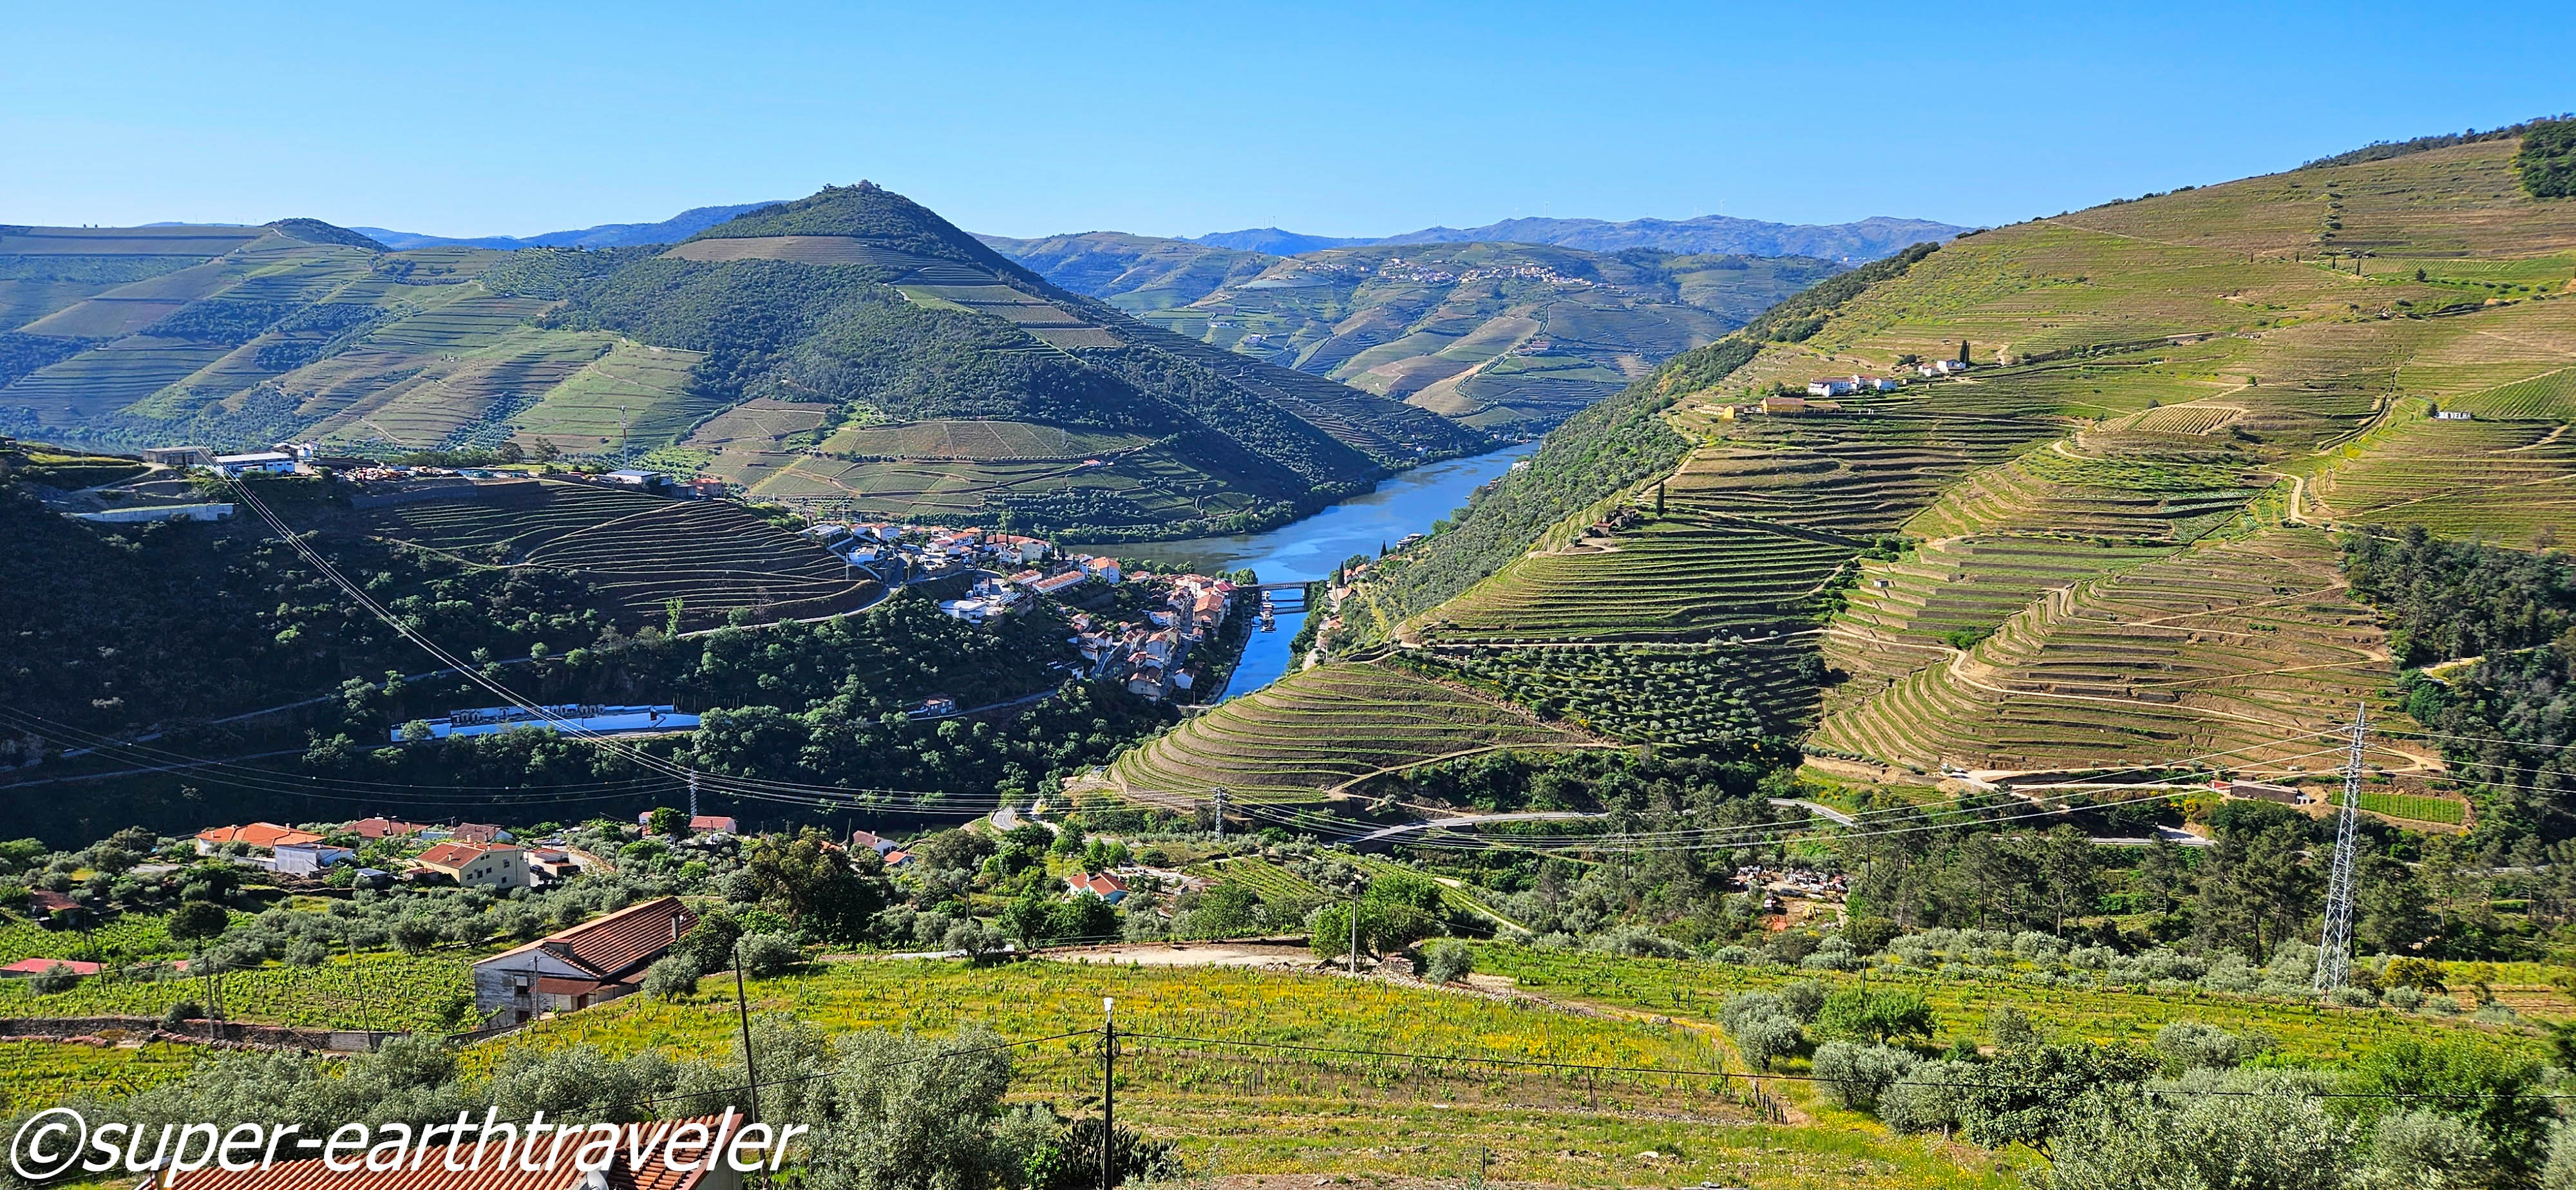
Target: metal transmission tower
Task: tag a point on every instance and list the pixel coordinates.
(2334, 947)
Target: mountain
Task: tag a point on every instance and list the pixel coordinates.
(1850, 243)
(607, 235)
(849, 352)
(1274, 241)
(2121, 542)
(1511, 338)
(1133, 272)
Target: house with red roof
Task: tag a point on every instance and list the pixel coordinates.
(372, 829)
(501, 865)
(591, 963)
(1104, 886)
(263, 835)
(699, 1153)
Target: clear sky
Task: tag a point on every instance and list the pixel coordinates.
(467, 118)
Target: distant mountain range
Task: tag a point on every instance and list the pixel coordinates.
(607, 235)
(1868, 239)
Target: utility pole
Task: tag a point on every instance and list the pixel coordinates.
(2334, 946)
(1108, 1091)
(693, 795)
(1355, 931)
(742, 1012)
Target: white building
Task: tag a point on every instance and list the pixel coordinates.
(266, 462)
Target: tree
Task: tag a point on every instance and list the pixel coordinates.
(668, 821)
(1857, 1074)
(914, 1114)
(813, 883)
(1875, 1017)
(2070, 875)
(2120, 1138)
(199, 920)
(1447, 961)
(2396, 914)
(1029, 919)
(2496, 1093)
(2032, 1092)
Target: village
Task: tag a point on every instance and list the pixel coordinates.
(1155, 634)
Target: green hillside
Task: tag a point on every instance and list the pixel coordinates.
(1508, 337)
(2108, 543)
(855, 304)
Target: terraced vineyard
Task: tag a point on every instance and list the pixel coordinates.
(638, 549)
(1908, 612)
(2508, 481)
(2249, 652)
(1320, 729)
(635, 392)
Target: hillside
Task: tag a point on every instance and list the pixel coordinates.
(1506, 337)
(2106, 545)
(1850, 243)
(858, 311)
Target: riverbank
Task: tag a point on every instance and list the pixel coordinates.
(1308, 550)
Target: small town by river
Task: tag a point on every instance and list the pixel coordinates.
(1308, 550)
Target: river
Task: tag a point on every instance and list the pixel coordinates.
(1307, 550)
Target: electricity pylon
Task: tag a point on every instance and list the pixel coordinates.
(2334, 946)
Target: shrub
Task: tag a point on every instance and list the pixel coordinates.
(1636, 942)
(2008, 1026)
(1735, 956)
(198, 920)
(1803, 999)
(54, 978)
(2190, 1045)
(1447, 961)
(671, 975)
(1855, 1075)
(1765, 1039)
(1875, 1017)
(1926, 1099)
(972, 938)
(764, 956)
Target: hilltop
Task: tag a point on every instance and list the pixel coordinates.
(1851, 243)
(819, 353)
(1506, 337)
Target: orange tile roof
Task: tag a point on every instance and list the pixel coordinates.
(257, 834)
(617, 945)
(457, 855)
(430, 1172)
(379, 828)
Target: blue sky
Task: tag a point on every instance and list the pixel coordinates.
(1354, 119)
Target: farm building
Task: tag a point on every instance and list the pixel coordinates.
(179, 456)
(480, 833)
(1828, 386)
(658, 1155)
(2261, 791)
(705, 488)
(870, 840)
(304, 859)
(1104, 569)
(159, 512)
(497, 866)
(700, 824)
(1876, 384)
(635, 479)
(266, 462)
(1940, 367)
(2454, 415)
(1796, 405)
(590, 963)
(1057, 584)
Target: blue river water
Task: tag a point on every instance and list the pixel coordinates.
(1307, 550)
